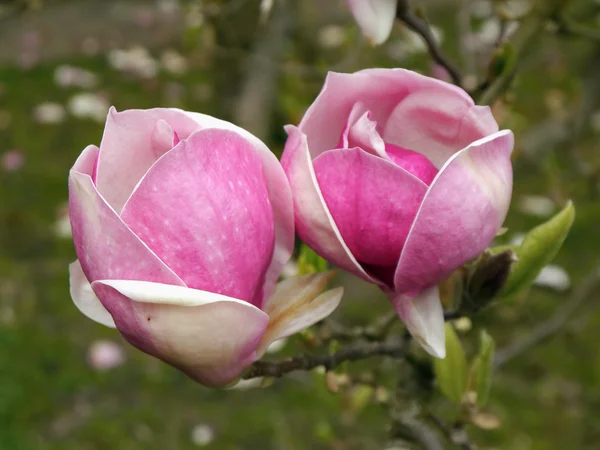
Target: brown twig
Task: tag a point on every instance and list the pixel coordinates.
(456, 434)
(405, 14)
(352, 352)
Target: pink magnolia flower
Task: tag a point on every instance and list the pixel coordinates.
(399, 179)
(182, 224)
(374, 17)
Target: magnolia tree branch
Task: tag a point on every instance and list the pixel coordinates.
(353, 352)
(405, 14)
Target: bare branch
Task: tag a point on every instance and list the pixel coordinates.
(456, 435)
(405, 14)
(353, 352)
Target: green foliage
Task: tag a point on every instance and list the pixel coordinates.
(538, 249)
(503, 60)
(310, 262)
(451, 372)
(481, 369)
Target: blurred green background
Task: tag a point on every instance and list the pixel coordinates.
(69, 383)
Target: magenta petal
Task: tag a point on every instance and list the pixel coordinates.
(413, 162)
(437, 122)
(460, 215)
(279, 191)
(128, 149)
(204, 209)
(314, 223)
(372, 201)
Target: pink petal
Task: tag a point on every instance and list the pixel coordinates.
(424, 318)
(128, 149)
(374, 17)
(362, 132)
(382, 91)
(84, 298)
(108, 249)
(204, 209)
(314, 223)
(460, 215)
(437, 121)
(210, 337)
(87, 161)
(372, 201)
(297, 303)
(279, 192)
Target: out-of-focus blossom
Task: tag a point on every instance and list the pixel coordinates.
(182, 224)
(12, 160)
(173, 62)
(202, 435)
(399, 179)
(136, 61)
(49, 113)
(62, 226)
(374, 17)
(331, 37)
(536, 205)
(144, 17)
(105, 355)
(69, 76)
(87, 105)
(553, 277)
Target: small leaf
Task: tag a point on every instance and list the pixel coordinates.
(451, 372)
(310, 262)
(538, 249)
(481, 370)
(503, 60)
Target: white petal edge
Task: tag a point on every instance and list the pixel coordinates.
(167, 294)
(424, 318)
(84, 298)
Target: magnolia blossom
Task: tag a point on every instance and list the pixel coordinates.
(182, 224)
(400, 179)
(374, 17)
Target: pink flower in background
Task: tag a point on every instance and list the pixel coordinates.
(182, 224)
(374, 17)
(399, 179)
(105, 355)
(12, 160)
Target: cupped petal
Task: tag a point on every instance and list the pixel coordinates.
(374, 17)
(204, 209)
(361, 131)
(374, 207)
(297, 303)
(129, 147)
(87, 161)
(424, 318)
(210, 337)
(438, 122)
(84, 298)
(279, 192)
(461, 213)
(314, 223)
(381, 91)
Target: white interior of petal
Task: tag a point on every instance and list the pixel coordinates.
(167, 294)
(84, 298)
(424, 318)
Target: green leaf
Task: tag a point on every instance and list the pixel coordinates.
(451, 372)
(310, 262)
(481, 370)
(503, 60)
(538, 249)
